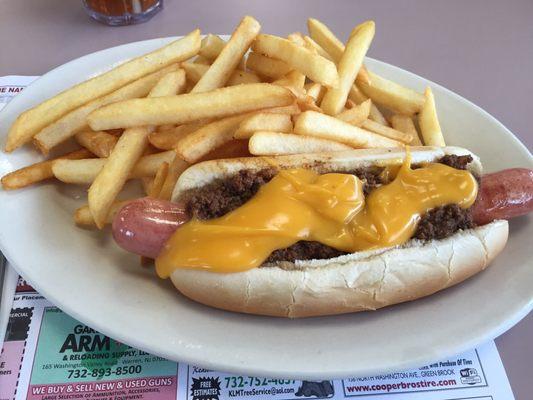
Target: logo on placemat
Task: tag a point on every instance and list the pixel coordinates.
(470, 376)
(205, 388)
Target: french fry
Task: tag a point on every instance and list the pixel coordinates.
(239, 77)
(276, 143)
(317, 68)
(263, 122)
(199, 143)
(404, 123)
(196, 71)
(392, 95)
(293, 79)
(29, 123)
(429, 122)
(357, 96)
(75, 121)
(84, 218)
(316, 91)
(115, 172)
(174, 171)
(84, 171)
(211, 47)
(38, 172)
(311, 44)
(267, 67)
(321, 34)
(167, 140)
(202, 60)
(357, 114)
(311, 123)
(125, 154)
(99, 143)
(297, 38)
(171, 83)
(148, 165)
(386, 131)
(159, 180)
(291, 109)
(220, 71)
(190, 107)
(348, 67)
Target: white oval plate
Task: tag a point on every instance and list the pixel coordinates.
(90, 278)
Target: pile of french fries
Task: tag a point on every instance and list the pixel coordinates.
(197, 99)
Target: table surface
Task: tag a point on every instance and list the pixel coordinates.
(480, 49)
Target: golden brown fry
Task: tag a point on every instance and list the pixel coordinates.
(357, 114)
(404, 123)
(312, 45)
(84, 171)
(293, 79)
(199, 143)
(220, 71)
(170, 84)
(76, 120)
(359, 97)
(316, 91)
(348, 67)
(276, 143)
(29, 123)
(263, 122)
(37, 172)
(115, 172)
(125, 154)
(317, 68)
(167, 140)
(429, 122)
(211, 47)
(321, 34)
(190, 107)
(311, 123)
(99, 143)
(84, 218)
(159, 180)
(238, 77)
(202, 60)
(386, 131)
(392, 95)
(297, 38)
(324, 38)
(176, 168)
(267, 67)
(291, 109)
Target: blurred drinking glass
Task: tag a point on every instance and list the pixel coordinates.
(122, 12)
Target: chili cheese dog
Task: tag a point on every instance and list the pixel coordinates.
(308, 235)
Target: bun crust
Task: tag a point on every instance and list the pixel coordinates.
(355, 282)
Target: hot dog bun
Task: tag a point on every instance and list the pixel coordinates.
(360, 281)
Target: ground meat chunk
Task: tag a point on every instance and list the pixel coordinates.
(304, 251)
(457, 162)
(221, 197)
(442, 222)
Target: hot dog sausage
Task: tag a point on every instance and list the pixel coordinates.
(503, 195)
(143, 226)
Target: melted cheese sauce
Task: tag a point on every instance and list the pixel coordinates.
(300, 204)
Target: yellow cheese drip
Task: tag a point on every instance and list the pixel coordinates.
(300, 204)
